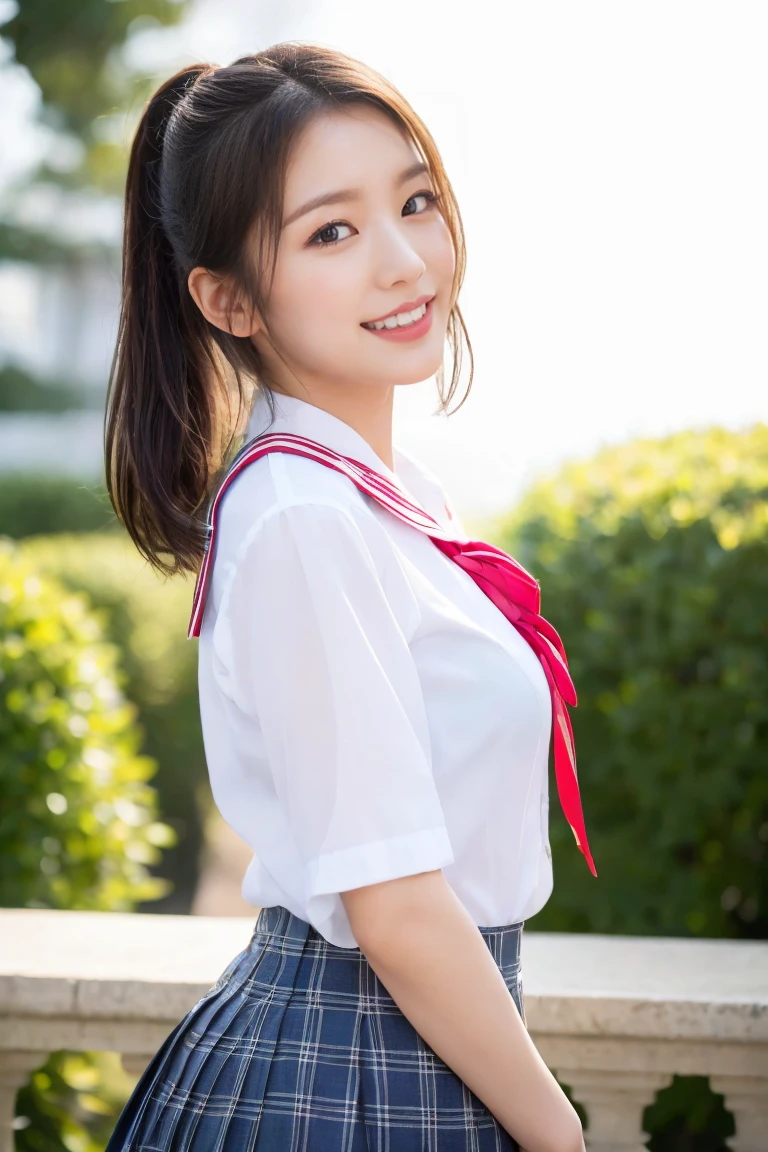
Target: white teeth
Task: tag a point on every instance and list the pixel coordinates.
(401, 320)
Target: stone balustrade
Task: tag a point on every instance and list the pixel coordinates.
(615, 1017)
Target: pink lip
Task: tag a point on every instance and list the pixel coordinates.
(408, 306)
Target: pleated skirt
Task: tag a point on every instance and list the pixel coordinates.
(298, 1047)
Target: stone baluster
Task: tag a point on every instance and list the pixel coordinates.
(614, 1102)
(746, 1098)
(15, 1069)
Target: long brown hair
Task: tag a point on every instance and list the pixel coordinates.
(207, 163)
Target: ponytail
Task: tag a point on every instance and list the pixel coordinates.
(160, 416)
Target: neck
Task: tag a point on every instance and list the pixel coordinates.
(367, 410)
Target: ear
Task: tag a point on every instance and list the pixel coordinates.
(216, 300)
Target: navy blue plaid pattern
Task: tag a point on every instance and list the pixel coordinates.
(298, 1047)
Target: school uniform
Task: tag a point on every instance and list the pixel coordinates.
(368, 713)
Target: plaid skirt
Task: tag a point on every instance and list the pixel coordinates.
(298, 1047)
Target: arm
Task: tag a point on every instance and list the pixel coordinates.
(427, 951)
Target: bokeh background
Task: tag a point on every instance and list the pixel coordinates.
(610, 165)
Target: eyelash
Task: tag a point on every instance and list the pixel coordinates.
(431, 197)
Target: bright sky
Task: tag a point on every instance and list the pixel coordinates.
(611, 168)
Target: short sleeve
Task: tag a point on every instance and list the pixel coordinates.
(319, 653)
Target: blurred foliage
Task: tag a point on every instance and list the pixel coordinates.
(73, 49)
(72, 1103)
(78, 820)
(688, 1117)
(147, 617)
(20, 391)
(32, 505)
(31, 245)
(61, 42)
(653, 560)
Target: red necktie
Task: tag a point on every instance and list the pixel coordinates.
(511, 588)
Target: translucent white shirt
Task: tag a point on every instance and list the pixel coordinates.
(368, 713)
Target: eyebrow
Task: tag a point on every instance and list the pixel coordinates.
(343, 195)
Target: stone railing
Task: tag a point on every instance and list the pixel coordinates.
(613, 1016)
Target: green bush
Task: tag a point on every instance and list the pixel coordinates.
(78, 820)
(31, 505)
(146, 616)
(653, 561)
(72, 1102)
(78, 823)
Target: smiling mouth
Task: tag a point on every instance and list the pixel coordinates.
(400, 320)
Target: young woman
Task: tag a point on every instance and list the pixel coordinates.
(376, 710)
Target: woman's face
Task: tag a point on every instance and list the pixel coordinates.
(377, 244)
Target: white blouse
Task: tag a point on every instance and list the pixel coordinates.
(368, 712)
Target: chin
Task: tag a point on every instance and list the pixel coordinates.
(409, 365)
(410, 374)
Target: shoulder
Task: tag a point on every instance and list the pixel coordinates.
(323, 551)
(285, 511)
(277, 486)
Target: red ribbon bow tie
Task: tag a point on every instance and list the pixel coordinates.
(514, 591)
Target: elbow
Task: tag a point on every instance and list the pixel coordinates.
(568, 1138)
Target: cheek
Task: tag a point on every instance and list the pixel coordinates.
(445, 256)
(436, 249)
(314, 296)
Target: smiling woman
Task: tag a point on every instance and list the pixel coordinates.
(376, 716)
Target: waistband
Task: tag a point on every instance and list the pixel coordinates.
(280, 932)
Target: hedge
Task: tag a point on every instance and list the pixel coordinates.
(653, 561)
(22, 391)
(31, 505)
(78, 820)
(146, 616)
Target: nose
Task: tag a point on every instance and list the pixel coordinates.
(396, 259)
